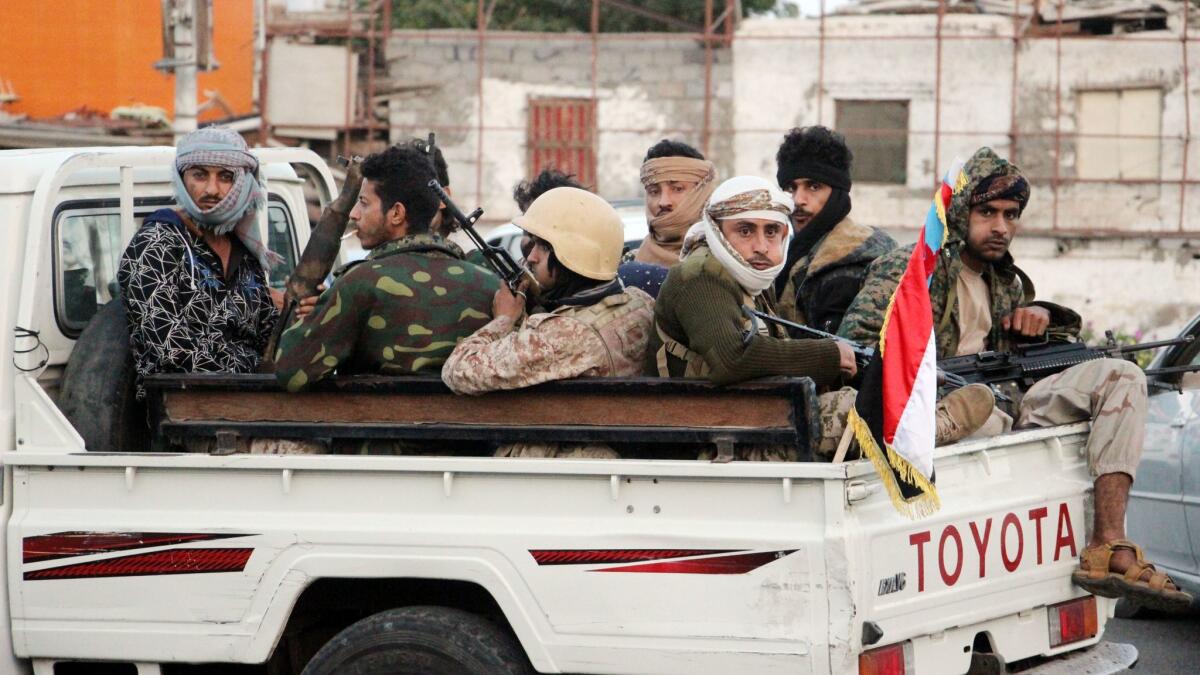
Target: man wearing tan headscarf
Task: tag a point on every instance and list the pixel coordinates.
(678, 181)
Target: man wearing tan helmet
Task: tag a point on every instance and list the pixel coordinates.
(590, 326)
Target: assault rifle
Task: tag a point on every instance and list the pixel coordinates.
(497, 258)
(1027, 364)
(862, 355)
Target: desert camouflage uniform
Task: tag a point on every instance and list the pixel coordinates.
(399, 312)
(822, 284)
(604, 339)
(1110, 392)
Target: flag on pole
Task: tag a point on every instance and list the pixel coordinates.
(893, 416)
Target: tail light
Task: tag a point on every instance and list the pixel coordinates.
(890, 660)
(1072, 621)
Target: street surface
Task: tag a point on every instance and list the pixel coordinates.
(1167, 645)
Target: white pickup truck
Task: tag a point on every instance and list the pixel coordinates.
(459, 563)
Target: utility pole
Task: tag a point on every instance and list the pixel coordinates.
(187, 49)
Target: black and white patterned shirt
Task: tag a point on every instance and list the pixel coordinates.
(184, 316)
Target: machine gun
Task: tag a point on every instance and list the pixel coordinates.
(1027, 364)
(497, 258)
(319, 254)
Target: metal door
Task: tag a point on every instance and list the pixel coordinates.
(562, 135)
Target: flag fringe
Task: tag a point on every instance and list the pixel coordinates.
(885, 462)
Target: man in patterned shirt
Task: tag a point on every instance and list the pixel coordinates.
(403, 309)
(192, 279)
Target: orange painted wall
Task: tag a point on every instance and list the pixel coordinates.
(65, 54)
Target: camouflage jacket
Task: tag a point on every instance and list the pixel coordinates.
(822, 284)
(604, 339)
(1009, 287)
(399, 312)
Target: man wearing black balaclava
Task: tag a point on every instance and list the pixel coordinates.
(828, 258)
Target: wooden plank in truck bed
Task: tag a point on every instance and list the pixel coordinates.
(585, 410)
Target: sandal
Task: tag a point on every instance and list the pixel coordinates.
(1152, 593)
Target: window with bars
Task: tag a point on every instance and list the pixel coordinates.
(562, 136)
(877, 133)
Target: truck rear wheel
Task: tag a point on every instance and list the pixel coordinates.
(419, 641)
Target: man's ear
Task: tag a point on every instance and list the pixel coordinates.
(397, 215)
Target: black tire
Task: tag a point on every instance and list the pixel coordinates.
(98, 394)
(421, 641)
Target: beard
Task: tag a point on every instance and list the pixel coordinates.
(990, 250)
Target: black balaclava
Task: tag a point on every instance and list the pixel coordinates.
(836, 208)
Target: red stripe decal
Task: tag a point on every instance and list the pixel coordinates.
(69, 544)
(594, 557)
(173, 561)
(727, 564)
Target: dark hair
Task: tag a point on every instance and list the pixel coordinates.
(667, 148)
(439, 162)
(529, 190)
(402, 174)
(806, 149)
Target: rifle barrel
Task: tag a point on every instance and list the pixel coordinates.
(1184, 340)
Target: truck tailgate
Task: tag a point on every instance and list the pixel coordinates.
(982, 570)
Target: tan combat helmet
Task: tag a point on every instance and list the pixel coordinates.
(585, 231)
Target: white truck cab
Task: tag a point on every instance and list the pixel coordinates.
(309, 562)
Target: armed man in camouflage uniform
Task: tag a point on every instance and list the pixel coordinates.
(403, 309)
(592, 326)
(829, 254)
(982, 301)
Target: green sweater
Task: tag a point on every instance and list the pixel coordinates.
(700, 306)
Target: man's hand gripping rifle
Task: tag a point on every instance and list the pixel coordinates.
(513, 274)
(862, 355)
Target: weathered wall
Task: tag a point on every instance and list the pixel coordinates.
(648, 87)
(870, 57)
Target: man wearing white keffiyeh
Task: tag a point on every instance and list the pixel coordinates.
(193, 280)
(730, 260)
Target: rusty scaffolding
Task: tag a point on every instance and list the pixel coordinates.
(719, 32)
